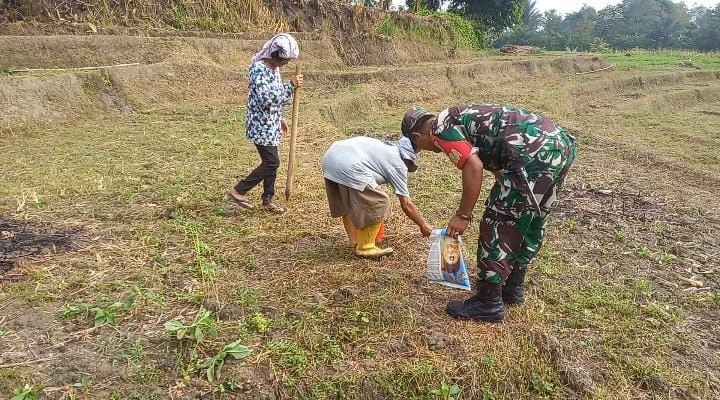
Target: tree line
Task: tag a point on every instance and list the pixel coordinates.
(650, 24)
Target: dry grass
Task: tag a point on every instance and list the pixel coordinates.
(357, 39)
(212, 15)
(608, 314)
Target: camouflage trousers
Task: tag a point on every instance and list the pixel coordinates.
(517, 211)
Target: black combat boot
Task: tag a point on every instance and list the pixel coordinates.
(513, 292)
(486, 305)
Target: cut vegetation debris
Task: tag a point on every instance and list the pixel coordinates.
(517, 49)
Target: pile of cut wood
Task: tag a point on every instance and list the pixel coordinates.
(517, 49)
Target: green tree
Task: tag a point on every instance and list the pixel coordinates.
(496, 15)
(669, 25)
(418, 5)
(609, 19)
(531, 16)
(706, 35)
(526, 32)
(644, 23)
(697, 13)
(521, 34)
(553, 37)
(579, 28)
(633, 23)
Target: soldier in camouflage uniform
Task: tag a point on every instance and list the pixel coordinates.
(530, 157)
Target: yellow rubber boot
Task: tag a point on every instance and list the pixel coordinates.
(366, 247)
(350, 230)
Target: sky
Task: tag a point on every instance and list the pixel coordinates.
(566, 6)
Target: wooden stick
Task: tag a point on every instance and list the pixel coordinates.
(693, 282)
(594, 71)
(71, 69)
(293, 137)
(24, 363)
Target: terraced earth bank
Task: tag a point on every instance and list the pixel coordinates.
(115, 220)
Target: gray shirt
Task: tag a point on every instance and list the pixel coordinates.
(361, 161)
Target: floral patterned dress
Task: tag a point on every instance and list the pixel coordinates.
(267, 94)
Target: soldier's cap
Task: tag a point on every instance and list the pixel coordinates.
(413, 120)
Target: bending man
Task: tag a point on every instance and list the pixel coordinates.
(354, 169)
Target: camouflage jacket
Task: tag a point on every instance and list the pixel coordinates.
(502, 135)
(521, 144)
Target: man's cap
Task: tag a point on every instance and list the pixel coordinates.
(413, 120)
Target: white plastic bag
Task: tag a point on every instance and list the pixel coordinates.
(446, 264)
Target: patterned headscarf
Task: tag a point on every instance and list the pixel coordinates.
(286, 46)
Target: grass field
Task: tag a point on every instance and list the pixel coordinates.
(663, 59)
(142, 281)
(657, 60)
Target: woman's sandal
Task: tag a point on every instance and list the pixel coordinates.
(242, 203)
(271, 207)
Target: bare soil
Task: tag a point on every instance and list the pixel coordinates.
(28, 240)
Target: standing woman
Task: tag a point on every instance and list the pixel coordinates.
(267, 94)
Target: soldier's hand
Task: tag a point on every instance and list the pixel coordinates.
(456, 227)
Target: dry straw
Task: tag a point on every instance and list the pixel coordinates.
(213, 15)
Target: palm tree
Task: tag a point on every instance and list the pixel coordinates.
(531, 15)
